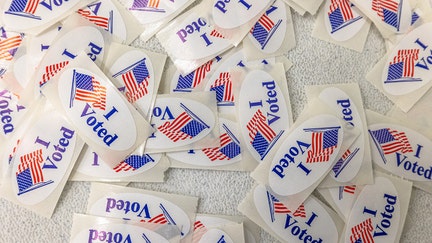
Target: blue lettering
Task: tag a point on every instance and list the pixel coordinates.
(290, 158)
(346, 110)
(97, 126)
(108, 236)
(191, 28)
(5, 112)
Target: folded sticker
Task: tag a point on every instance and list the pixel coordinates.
(340, 22)
(379, 213)
(86, 228)
(192, 40)
(310, 6)
(32, 16)
(400, 150)
(102, 117)
(42, 162)
(272, 35)
(354, 165)
(341, 198)
(143, 206)
(312, 221)
(229, 232)
(112, 17)
(154, 14)
(137, 167)
(184, 122)
(227, 156)
(403, 74)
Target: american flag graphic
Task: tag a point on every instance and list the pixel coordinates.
(263, 29)
(390, 141)
(188, 82)
(346, 189)
(86, 88)
(51, 70)
(388, 11)
(104, 22)
(347, 156)
(223, 87)
(324, 142)
(133, 162)
(29, 175)
(341, 14)
(199, 230)
(185, 126)
(278, 207)
(362, 233)
(260, 133)
(402, 67)
(9, 46)
(146, 5)
(228, 149)
(216, 34)
(136, 79)
(24, 8)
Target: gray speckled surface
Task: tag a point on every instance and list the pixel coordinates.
(315, 62)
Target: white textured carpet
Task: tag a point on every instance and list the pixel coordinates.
(315, 62)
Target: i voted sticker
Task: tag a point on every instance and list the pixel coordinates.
(401, 151)
(105, 15)
(342, 19)
(24, 15)
(306, 155)
(97, 109)
(115, 232)
(143, 208)
(309, 223)
(67, 47)
(179, 122)
(43, 159)
(228, 152)
(408, 64)
(232, 14)
(348, 166)
(269, 31)
(376, 214)
(264, 115)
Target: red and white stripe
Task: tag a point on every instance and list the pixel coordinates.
(317, 152)
(52, 70)
(97, 97)
(199, 231)
(400, 143)
(362, 231)
(135, 91)
(96, 19)
(33, 162)
(345, 8)
(172, 129)
(408, 56)
(6, 45)
(258, 123)
(201, 73)
(349, 189)
(379, 5)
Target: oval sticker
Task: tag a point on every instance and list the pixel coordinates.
(144, 208)
(106, 15)
(306, 155)
(263, 113)
(43, 158)
(407, 67)
(117, 233)
(67, 47)
(401, 151)
(134, 76)
(27, 15)
(229, 151)
(348, 166)
(179, 122)
(92, 165)
(269, 32)
(375, 220)
(342, 20)
(93, 106)
(310, 221)
(233, 14)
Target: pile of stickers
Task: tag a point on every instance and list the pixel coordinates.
(78, 102)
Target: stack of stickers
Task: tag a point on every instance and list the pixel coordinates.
(78, 102)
